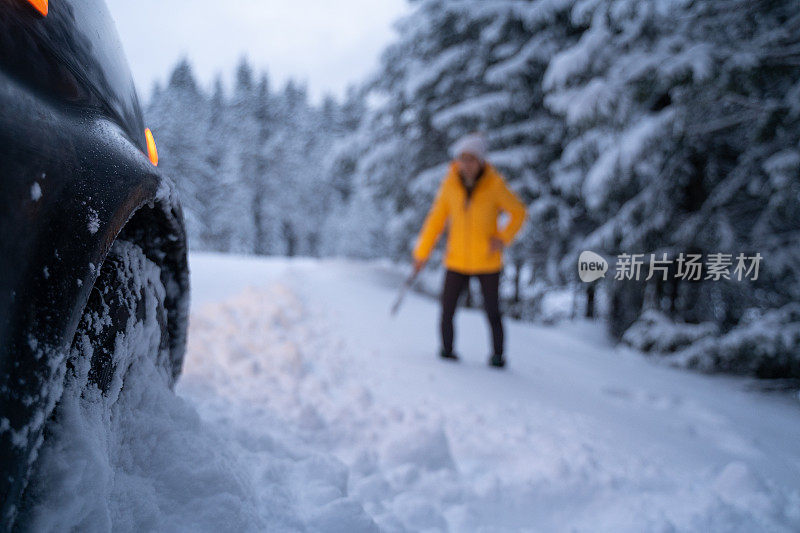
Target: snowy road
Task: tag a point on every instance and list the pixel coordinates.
(304, 406)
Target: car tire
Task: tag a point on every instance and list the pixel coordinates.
(125, 304)
(124, 321)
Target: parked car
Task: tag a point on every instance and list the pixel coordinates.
(92, 239)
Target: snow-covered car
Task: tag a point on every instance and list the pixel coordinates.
(92, 240)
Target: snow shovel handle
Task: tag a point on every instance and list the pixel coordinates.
(406, 285)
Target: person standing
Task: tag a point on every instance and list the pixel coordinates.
(469, 202)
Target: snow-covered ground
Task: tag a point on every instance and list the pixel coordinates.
(304, 406)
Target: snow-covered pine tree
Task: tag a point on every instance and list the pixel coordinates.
(255, 152)
(354, 225)
(178, 116)
(680, 138)
(247, 136)
(742, 136)
(293, 165)
(526, 136)
(223, 219)
(612, 89)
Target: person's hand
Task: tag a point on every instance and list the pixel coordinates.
(418, 265)
(496, 244)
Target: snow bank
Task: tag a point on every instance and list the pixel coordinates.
(654, 331)
(765, 343)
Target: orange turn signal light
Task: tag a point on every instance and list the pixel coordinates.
(40, 6)
(151, 146)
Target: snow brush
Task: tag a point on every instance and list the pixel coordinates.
(402, 294)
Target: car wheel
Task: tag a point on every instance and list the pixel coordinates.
(124, 325)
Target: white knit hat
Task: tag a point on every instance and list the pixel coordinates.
(473, 143)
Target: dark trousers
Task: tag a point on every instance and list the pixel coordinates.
(454, 284)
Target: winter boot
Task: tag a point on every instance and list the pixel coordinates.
(497, 360)
(448, 355)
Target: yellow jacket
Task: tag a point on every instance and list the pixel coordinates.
(471, 224)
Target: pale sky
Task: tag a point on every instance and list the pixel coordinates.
(326, 43)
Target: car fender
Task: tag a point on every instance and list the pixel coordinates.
(70, 181)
